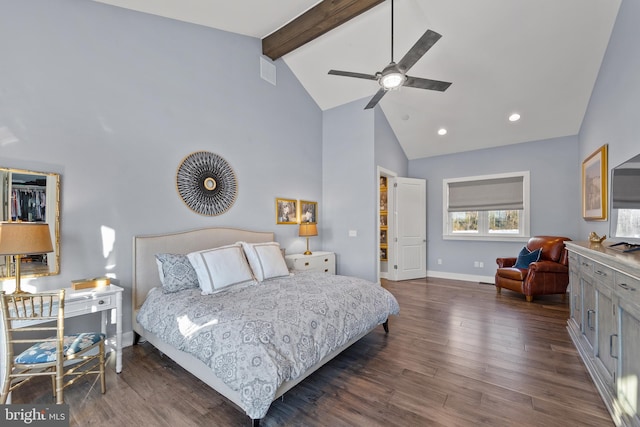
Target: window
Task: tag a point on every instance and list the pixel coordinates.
(489, 207)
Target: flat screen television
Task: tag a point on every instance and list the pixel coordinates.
(624, 222)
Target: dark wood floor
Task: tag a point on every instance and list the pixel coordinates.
(458, 355)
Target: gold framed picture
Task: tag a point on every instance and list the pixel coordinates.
(594, 185)
(286, 212)
(308, 212)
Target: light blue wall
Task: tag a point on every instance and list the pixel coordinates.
(613, 115)
(555, 199)
(349, 189)
(388, 152)
(114, 100)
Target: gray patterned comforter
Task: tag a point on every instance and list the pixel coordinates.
(256, 336)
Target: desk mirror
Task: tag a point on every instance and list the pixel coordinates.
(35, 197)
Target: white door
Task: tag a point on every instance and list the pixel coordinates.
(410, 225)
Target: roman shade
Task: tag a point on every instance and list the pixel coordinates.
(624, 189)
(493, 194)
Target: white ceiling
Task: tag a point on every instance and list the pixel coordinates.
(539, 58)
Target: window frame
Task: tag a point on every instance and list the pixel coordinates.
(483, 216)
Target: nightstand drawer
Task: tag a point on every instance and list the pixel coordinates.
(89, 305)
(318, 261)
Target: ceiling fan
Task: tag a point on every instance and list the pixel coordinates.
(393, 76)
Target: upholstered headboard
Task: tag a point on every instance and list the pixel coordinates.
(145, 269)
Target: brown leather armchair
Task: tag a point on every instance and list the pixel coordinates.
(548, 275)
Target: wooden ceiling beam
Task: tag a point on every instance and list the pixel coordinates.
(318, 20)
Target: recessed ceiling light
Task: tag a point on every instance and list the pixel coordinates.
(514, 117)
(442, 131)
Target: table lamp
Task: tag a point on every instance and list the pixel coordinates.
(22, 238)
(306, 230)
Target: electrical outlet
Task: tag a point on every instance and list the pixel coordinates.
(439, 261)
(476, 264)
(481, 264)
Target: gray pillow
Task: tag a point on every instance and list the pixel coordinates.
(176, 272)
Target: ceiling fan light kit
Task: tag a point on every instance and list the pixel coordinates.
(393, 76)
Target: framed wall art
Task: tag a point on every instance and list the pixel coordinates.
(308, 212)
(594, 185)
(206, 183)
(286, 212)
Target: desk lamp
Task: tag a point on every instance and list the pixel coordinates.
(22, 238)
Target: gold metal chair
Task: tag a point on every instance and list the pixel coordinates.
(23, 316)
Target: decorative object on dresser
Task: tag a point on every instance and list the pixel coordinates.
(547, 273)
(22, 238)
(283, 315)
(22, 318)
(320, 261)
(594, 238)
(594, 185)
(206, 183)
(307, 230)
(604, 323)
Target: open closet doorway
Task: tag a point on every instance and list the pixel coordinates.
(401, 227)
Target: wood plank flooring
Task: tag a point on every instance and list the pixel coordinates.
(458, 355)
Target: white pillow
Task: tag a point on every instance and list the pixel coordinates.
(220, 267)
(266, 260)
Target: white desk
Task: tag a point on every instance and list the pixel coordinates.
(104, 300)
(107, 299)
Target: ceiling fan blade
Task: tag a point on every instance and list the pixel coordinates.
(350, 74)
(376, 98)
(424, 43)
(426, 83)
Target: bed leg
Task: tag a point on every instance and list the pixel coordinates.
(385, 325)
(255, 422)
(136, 338)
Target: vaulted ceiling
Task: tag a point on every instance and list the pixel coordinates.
(537, 58)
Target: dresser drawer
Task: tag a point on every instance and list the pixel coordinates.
(603, 274)
(586, 266)
(89, 305)
(628, 288)
(323, 262)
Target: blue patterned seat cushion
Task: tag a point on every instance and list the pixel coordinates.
(46, 351)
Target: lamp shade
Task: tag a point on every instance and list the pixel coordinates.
(19, 238)
(307, 229)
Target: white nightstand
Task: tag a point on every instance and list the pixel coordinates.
(318, 261)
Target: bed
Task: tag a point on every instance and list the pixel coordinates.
(254, 340)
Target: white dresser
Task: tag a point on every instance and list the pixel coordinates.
(318, 261)
(605, 323)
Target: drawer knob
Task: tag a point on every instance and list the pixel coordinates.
(101, 302)
(326, 260)
(306, 264)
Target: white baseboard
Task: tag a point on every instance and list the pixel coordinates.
(458, 276)
(127, 339)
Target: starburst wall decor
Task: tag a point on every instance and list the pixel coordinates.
(206, 183)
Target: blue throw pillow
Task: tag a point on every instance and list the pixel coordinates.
(525, 257)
